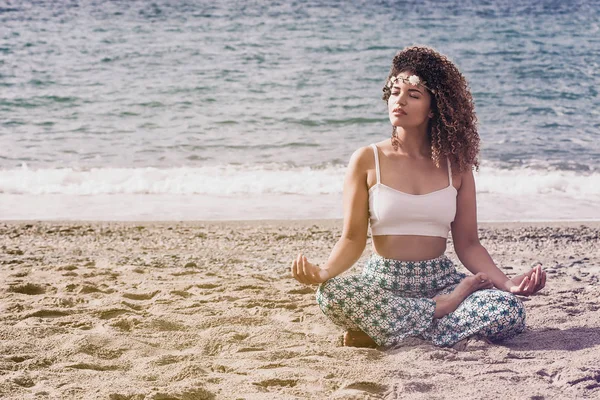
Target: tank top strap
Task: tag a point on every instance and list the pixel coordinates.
(449, 171)
(376, 162)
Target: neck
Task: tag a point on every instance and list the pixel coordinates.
(413, 142)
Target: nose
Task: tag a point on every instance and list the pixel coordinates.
(402, 98)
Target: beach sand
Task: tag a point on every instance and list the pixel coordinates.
(211, 311)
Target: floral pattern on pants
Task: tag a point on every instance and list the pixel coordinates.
(392, 300)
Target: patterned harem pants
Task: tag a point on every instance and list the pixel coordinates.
(392, 300)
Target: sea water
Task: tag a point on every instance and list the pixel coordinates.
(198, 110)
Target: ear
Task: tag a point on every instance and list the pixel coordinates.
(430, 115)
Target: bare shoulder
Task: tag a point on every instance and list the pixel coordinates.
(464, 178)
(362, 159)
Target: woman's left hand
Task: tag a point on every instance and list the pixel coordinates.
(528, 283)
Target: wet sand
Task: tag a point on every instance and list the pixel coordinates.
(210, 311)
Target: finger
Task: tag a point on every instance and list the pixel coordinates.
(536, 276)
(297, 274)
(295, 263)
(299, 265)
(309, 271)
(540, 285)
(543, 280)
(536, 280)
(305, 272)
(303, 265)
(531, 284)
(294, 274)
(523, 284)
(299, 270)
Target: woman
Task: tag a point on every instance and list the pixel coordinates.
(413, 189)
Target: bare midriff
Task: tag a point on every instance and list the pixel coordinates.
(409, 247)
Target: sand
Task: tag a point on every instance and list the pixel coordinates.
(210, 311)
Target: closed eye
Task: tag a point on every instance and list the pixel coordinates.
(412, 94)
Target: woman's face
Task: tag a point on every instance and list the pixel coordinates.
(409, 106)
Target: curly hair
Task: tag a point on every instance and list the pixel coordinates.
(453, 128)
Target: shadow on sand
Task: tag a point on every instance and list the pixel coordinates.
(571, 339)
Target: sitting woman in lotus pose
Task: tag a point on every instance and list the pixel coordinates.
(414, 188)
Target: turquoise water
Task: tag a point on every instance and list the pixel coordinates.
(270, 98)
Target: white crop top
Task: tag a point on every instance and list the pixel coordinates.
(393, 212)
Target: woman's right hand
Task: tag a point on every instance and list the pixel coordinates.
(307, 272)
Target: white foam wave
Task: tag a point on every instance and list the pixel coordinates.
(238, 180)
(531, 182)
(214, 180)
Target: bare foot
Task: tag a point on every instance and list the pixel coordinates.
(472, 343)
(358, 339)
(447, 303)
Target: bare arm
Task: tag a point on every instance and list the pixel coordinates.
(474, 256)
(466, 238)
(350, 246)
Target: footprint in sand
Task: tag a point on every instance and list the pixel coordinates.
(248, 287)
(170, 359)
(163, 325)
(180, 293)
(370, 387)
(96, 367)
(125, 323)
(269, 303)
(361, 390)
(591, 380)
(19, 359)
(111, 313)
(420, 387)
(140, 296)
(136, 307)
(89, 288)
(250, 349)
(27, 288)
(304, 290)
(221, 368)
(190, 371)
(47, 313)
(276, 382)
(63, 302)
(191, 393)
(24, 381)
(207, 286)
(67, 268)
(272, 366)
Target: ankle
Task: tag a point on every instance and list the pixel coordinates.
(442, 307)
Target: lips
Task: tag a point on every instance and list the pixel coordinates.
(398, 111)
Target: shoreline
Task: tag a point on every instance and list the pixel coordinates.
(294, 222)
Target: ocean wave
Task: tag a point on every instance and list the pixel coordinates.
(240, 180)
